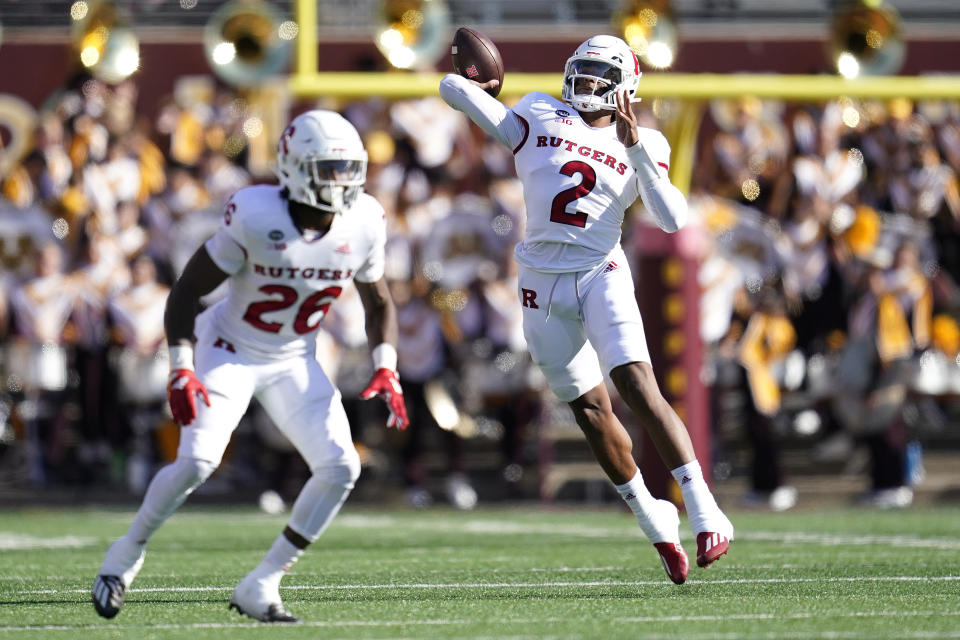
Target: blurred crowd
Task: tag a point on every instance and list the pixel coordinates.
(830, 284)
(101, 215)
(829, 269)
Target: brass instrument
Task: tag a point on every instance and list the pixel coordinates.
(246, 42)
(18, 119)
(865, 39)
(412, 34)
(104, 39)
(648, 26)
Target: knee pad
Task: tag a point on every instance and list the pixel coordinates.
(341, 474)
(190, 473)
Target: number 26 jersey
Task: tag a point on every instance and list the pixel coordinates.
(577, 184)
(283, 281)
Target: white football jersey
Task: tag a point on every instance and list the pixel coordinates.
(282, 281)
(577, 183)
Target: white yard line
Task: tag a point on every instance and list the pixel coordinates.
(14, 541)
(530, 621)
(482, 526)
(515, 585)
(829, 539)
(20, 541)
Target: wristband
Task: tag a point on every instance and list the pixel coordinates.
(384, 356)
(181, 357)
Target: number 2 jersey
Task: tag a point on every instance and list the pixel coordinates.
(282, 281)
(577, 180)
(577, 184)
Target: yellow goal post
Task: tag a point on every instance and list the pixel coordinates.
(693, 90)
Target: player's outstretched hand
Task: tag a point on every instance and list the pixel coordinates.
(385, 383)
(626, 121)
(181, 392)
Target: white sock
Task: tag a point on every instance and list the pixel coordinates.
(282, 555)
(657, 518)
(635, 493)
(167, 491)
(702, 508)
(319, 501)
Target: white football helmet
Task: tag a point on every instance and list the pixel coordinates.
(597, 71)
(321, 161)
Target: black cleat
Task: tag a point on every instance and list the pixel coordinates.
(108, 594)
(274, 613)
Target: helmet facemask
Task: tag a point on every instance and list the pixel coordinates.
(331, 185)
(590, 83)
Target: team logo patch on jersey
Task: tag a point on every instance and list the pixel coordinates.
(276, 234)
(563, 113)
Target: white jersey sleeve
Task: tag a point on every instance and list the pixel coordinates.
(650, 158)
(227, 246)
(486, 111)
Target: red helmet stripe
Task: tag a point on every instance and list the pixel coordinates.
(636, 63)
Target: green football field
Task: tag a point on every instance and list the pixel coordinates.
(523, 572)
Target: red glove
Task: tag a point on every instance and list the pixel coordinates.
(182, 388)
(386, 383)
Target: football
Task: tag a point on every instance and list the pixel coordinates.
(475, 57)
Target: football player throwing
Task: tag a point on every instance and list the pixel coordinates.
(583, 161)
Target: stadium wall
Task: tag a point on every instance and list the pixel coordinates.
(34, 69)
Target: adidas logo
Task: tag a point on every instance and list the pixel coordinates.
(629, 496)
(344, 248)
(612, 266)
(685, 480)
(713, 540)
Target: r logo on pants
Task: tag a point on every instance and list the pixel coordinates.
(530, 298)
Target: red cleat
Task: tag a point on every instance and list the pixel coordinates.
(674, 559)
(710, 546)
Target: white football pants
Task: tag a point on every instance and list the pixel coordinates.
(579, 326)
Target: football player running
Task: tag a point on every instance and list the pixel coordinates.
(583, 161)
(287, 251)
